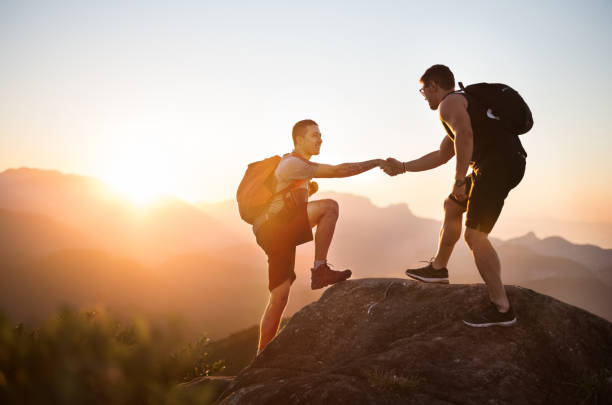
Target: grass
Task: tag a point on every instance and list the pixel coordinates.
(97, 358)
(390, 381)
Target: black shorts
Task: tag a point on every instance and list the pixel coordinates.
(278, 237)
(488, 186)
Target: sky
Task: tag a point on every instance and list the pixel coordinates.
(178, 97)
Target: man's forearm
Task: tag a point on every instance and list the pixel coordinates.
(464, 146)
(427, 162)
(352, 169)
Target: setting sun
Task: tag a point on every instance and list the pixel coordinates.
(140, 168)
(137, 186)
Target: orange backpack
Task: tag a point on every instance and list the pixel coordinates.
(257, 188)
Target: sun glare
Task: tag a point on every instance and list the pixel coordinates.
(138, 188)
(140, 168)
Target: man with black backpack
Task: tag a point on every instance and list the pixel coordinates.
(482, 124)
(273, 197)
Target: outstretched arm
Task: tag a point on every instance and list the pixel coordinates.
(426, 162)
(347, 169)
(432, 159)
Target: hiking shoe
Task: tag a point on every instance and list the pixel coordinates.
(489, 316)
(428, 274)
(324, 276)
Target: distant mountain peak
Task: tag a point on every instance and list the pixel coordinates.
(530, 235)
(24, 170)
(362, 201)
(28, 175)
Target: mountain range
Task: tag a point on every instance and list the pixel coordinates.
(66, 239)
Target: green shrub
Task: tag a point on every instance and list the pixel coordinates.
(95, 358)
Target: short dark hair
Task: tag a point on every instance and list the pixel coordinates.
(441, 75)
(299, 127)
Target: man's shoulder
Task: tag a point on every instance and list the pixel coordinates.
(452, 103)
(291, 165)
(454, 99)
(290, 160)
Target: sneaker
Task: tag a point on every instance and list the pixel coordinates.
(489, 316)
(324, 276)
(428, 274)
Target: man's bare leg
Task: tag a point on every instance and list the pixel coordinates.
(323, 214)
(489, 266)
(449, 233)
(273, 313)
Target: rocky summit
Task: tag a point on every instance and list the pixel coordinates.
(390, 341)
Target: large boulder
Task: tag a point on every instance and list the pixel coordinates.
(389, 341)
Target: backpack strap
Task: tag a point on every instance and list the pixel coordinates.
(265, 215)
(294, 185)
(455, 92)
(294, 154)
(297, 183)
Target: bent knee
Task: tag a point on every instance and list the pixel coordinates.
(332, 206)
(452, 207)
(472, 236)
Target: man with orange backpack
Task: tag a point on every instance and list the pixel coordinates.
(273, 197)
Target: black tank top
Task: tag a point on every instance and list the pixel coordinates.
(489, 143)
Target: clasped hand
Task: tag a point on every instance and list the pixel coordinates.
(391, 166)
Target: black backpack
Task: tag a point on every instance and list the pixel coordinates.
(503, 104)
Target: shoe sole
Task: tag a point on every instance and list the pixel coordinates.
(317, 286)
(486, 325)
(428, 280)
